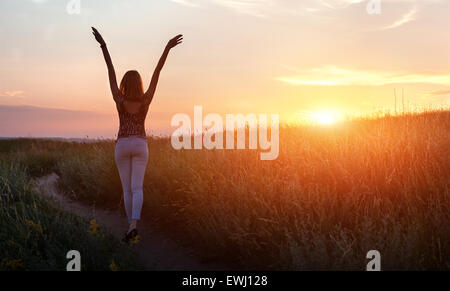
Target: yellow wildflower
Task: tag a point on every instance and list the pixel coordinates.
(135, 240)
(12, 264)
(14, 244)
(35, 226)
(113, 267)
(93, 227)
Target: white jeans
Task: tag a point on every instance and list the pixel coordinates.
(131, 159)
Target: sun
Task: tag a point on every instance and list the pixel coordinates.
(324, 117)
(319, 117)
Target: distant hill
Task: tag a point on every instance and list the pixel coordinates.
(31, 121)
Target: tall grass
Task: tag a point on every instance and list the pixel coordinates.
(35, 235)
(333, 194)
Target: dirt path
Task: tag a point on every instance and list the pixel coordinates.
(156, 251)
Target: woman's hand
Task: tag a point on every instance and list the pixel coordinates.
(98, 37)
(174, 41)
(154, 82)
(111, 72)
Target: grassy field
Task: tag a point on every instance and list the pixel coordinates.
(333, 194)
(35, 235)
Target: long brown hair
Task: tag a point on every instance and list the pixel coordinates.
(131, 86)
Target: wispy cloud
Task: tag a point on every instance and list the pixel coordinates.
(334, 76)
(257, 8)
(16, 93)
(186, 3)
(264, 8)
(408, 17)
(338, 4)
(319, 8)
(253, 7)
(440, 93)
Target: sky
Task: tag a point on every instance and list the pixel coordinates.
(239, 56)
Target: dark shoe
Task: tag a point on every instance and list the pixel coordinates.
(130, 235)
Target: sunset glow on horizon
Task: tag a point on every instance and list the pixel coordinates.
(238, 56)
(324, 117)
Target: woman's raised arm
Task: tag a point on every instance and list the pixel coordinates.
(154, 82)
(111, 72)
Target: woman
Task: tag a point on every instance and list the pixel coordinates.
(131, 152)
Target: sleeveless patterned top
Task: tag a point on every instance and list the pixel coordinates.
(131, 124)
